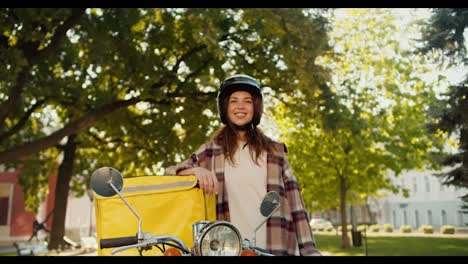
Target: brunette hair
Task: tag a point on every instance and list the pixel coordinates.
(226, 136)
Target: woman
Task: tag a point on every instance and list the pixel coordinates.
(241, 164)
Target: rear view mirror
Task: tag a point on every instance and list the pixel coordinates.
(270, 203)
(101, 181)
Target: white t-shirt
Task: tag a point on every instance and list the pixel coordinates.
(246, 186)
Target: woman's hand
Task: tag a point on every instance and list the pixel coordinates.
(206, 179)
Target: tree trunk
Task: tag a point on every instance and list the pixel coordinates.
(345, 243)
(353, 218)
(61, 194)
(372, 219)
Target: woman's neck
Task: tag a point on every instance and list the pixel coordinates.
(242, 135)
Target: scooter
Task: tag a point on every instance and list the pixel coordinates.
(211, 238)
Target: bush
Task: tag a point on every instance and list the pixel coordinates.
(349, 227)
(362, 228)
(426, 229)
(374, 228)
(320, 228)
(329, 229)
(447, 229)
(405, 229)
(388, 228)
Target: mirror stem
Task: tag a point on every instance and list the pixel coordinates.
(140, 234)
(254, 238)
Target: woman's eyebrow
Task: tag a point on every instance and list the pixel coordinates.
(246, 97)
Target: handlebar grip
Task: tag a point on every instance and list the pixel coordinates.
(118, 241)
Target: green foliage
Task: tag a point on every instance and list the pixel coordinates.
(34, 177)
(368, 121)
(362, 228)
(348, 227)
(447, 229)
(388, 228)
(374, 228)
(406, 229)
(444, 34)
(426, 229)
(167, 62)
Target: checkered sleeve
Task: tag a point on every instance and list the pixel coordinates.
(305, 238)
(186, 164)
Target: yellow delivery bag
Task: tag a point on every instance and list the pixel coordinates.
(167, 205)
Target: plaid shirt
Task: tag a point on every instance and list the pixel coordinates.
(288, 229)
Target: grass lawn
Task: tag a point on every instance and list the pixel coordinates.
(8, 254)
(396, 246)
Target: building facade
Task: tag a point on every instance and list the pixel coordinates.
(429, 202)
(16, 223)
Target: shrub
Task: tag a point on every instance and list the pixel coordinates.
(426, 229)
(374, 228)
(405, 228)
(388, 228)
(447, 229)
(349, 227)
(362, 228)
(329, 229)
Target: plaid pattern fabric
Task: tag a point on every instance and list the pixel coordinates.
(288, 230)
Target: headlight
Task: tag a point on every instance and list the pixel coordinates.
(218, 238)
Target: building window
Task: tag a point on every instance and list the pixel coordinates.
(394, 218)
(5, 191)
(444, 217)
(428, 185)
(429, 217)
(415, 186)
(405, 218)
(416, 217)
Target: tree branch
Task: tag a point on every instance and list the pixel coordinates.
(59, 34)
(22, 121)
(9, 105)
(22, 151)
(33, 56)
(186, 55)
(199, 69)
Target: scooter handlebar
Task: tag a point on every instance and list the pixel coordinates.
(118, 241)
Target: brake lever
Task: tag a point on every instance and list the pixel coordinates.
(149, 243)
(144, 244)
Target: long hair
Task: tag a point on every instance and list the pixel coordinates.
(258, 142)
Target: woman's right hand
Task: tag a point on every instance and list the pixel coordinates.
(206, 179)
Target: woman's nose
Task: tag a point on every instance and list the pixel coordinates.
(240, 105)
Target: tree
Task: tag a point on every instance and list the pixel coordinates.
(445, 33)
(364, 123)
(132, 88)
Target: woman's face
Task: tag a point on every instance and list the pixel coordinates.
(240, 108)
